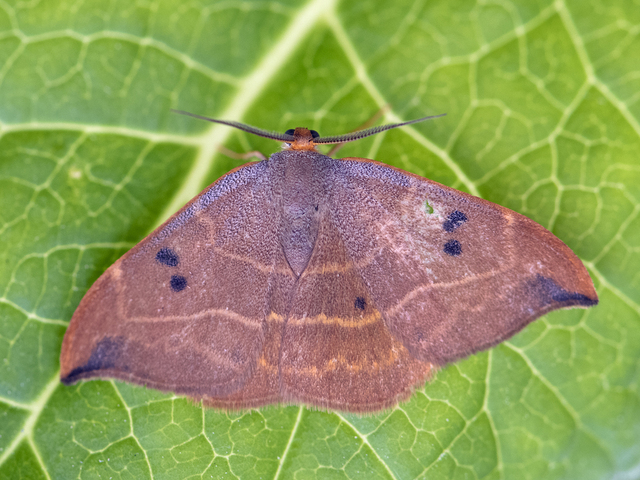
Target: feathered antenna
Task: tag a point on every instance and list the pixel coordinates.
(285, 137)
(350, 137)
(282, 137)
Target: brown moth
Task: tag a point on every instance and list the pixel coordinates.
(341, 284)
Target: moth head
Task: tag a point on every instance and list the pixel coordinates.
(303, 139)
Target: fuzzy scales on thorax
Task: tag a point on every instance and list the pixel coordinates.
(300, 189)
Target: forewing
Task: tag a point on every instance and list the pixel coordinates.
(263, 387)
(452, 274)
(184, 310)
(336, 350)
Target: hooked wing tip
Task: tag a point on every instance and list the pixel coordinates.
(104, 356)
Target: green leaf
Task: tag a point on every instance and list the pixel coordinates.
(542, 117)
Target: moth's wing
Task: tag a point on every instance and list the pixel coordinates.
(336, 350)
(263, 387)
(451, 273)
(184, 310)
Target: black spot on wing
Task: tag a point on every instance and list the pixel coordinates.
(104, 356)
(453, 248)
(455, 220)
(360, 303)
(168, 257)
(548, 291)
(178, 283)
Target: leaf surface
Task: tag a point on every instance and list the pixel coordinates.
(542, 117)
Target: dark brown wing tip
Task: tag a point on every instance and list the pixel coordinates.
(82, 373)
(101, 362)
(583, 301)
(548, 289)
(70, 379)
(88, 373)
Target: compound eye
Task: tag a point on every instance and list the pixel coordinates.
(291, 131)
(314, 134)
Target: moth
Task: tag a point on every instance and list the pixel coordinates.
(338, 283)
